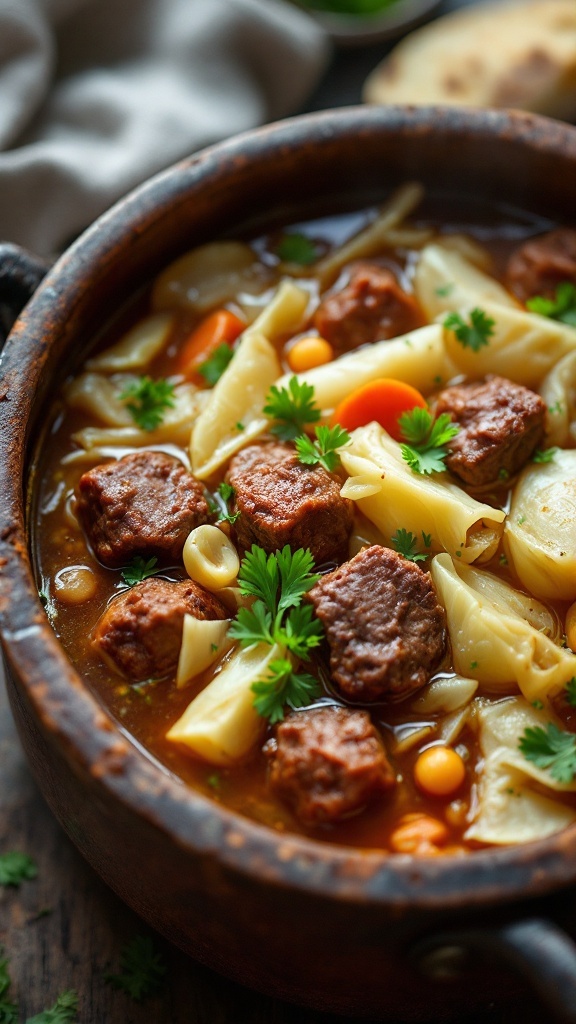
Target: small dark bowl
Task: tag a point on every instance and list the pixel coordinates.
(339, 929)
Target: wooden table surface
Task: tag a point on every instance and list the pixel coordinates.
(65, 929)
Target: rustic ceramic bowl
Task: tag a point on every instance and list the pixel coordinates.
(352, 931)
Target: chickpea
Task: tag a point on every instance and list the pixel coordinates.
(308, 353)
(439, 771)
(75, 584)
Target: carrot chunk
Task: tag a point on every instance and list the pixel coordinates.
(383, 400)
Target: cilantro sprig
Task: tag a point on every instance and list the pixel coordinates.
(15, 868)
(147, 401)
(64, 1011)
(426, 439)
(142, 969)
(213, 368)
(552, 749)
(562, 307)
(139, 569)
(324, 450)
(278, 583)
(544, 455)
(406, 544)
(293, 407)
(472, 335)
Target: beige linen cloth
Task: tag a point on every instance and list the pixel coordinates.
(97, 95)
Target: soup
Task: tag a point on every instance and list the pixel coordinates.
(304, 523)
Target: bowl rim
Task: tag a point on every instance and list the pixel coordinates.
(86, 732)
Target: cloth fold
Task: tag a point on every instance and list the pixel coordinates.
(98, 95)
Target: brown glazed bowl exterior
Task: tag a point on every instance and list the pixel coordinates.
(330, 927)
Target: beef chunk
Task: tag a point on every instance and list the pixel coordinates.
(501, 423)
(538, 266)
(371, 307)
(144, 504)
(328, 763)
(385, 629)
(281, 501)
(141, 630)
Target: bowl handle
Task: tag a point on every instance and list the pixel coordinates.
(541, 951)
(20, 275)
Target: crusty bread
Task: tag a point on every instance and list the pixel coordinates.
(518, 54)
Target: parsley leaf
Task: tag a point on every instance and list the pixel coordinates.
(65, 1010)
(15, 868)
(283, 686)
(139, 569)
(407, 544)
(474, 335)
(324, 449)
(543, 455)
(278, 582)
(550, 748)
(294, 247)
(571, 692)
(8, 1009)
(214, 367)
(427, 439)
(293, 407)
(562, 307)
(142, 969)
(150, 399)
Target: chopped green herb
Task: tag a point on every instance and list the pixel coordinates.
(324, 450)
(277, 616)
(240, 426)
(543, 455)
(503, 560)
(427, 539)
(538, 704)
(571, 692)
(16, 868)
(64, 1011)
(427, 438)
(407, 544)
(521, 520)
(557, 408)
(142, 969)
(293, 407)
(283, 686)
(149, 400)
(437, 379)
(444, 290)
(473, 664)
(214, 367)
(295, 247)
(139, 569)
(227, 493)
(214, 780)
(358, 7)
(8, 1009)
(213, 648)
(474, 335)
(552, 749)
(562, 307)
(503, 474)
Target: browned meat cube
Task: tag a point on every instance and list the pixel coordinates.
(371, 307)
(328, 763)
(140, 632)
(144, 504)
(281, 501)
(385, 629)
(501, 424)
(538, 266)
